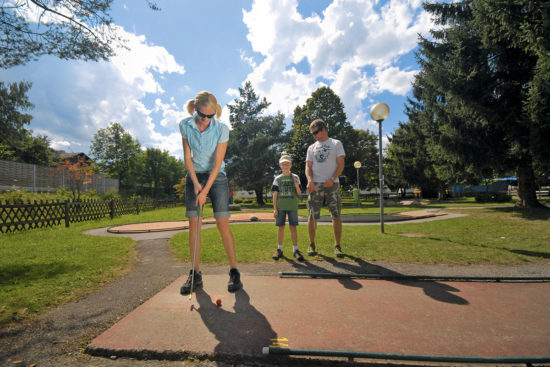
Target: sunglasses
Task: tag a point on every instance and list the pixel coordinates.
(317, 131)
(204, 116)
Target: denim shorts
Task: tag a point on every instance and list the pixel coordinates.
(292, 218)
(218, 194)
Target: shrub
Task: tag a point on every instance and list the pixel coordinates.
(111, 195)
(496, 197)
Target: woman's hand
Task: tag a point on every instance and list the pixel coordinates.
(201, 195)
(201, 199)
(198, 188)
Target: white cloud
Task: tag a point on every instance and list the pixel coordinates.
(89, 96)
(393, 80)
(355, 46)
(232, 92)
(136, 65)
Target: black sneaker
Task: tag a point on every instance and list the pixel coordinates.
(197, 283)
(311, 250)
(298, 256)
(338, 251)
(234, 281)
(277, 255)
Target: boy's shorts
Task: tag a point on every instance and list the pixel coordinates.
(292, 218)
(330, 195)
(218, 194)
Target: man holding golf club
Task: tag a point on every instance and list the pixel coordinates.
(205, 140)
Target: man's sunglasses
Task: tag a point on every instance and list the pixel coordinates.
(204, 116)
(317, 131)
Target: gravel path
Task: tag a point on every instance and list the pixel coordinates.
(59, 337)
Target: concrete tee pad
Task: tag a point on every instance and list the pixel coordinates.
(405, 317)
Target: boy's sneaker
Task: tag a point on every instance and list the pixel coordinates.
(234, 281)
(311, 250)
(298, 256)
(338, 251)
(277, 255)
(197, 283)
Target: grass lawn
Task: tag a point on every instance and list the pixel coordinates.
(484, 236)
(40, 269)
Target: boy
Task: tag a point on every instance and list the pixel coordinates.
(286, 193)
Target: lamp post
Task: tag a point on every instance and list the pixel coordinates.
(357, 165)
(379, 112)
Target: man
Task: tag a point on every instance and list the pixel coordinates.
(324, 164)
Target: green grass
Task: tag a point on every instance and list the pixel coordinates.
(40, 269)
(485, 236)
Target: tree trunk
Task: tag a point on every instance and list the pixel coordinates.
(259, 196)
(527, 189)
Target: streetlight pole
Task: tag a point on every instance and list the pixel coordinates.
(357, 165)
(379, 112)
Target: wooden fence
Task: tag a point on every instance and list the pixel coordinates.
(20, 216)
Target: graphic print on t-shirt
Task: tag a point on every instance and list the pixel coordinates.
(322, 152)
(286, 187)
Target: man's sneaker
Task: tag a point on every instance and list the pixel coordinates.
(278, 254)
(234, 281)
(298, 256)
(338, 251)
(311, 250)
(197, 283)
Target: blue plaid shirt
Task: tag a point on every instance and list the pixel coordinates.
(203, 144)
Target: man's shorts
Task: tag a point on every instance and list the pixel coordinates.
(292, 218)
(330, 195)
(218, 194)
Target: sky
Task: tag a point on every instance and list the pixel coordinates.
(362, 49)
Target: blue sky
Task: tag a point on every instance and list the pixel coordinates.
(362, 49)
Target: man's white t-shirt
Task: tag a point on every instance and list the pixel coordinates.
(324, 156)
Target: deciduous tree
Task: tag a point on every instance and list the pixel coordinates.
(161, 171)
(326, 105)
(114, 151)
(76, 172)
(17, 143)
(68, 29)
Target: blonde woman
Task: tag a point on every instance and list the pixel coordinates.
(205, 140)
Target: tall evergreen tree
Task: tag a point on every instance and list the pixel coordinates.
(255, 142)
(408, 163)
(367, 154)
(481, 88)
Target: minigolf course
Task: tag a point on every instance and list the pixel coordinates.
(383, 318)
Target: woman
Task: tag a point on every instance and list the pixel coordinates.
(205, 140)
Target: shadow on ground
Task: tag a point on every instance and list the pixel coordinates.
(433, 289)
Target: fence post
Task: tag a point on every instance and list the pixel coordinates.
(34, 178)
(137, 206)
(112, 206)
(67, 216)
